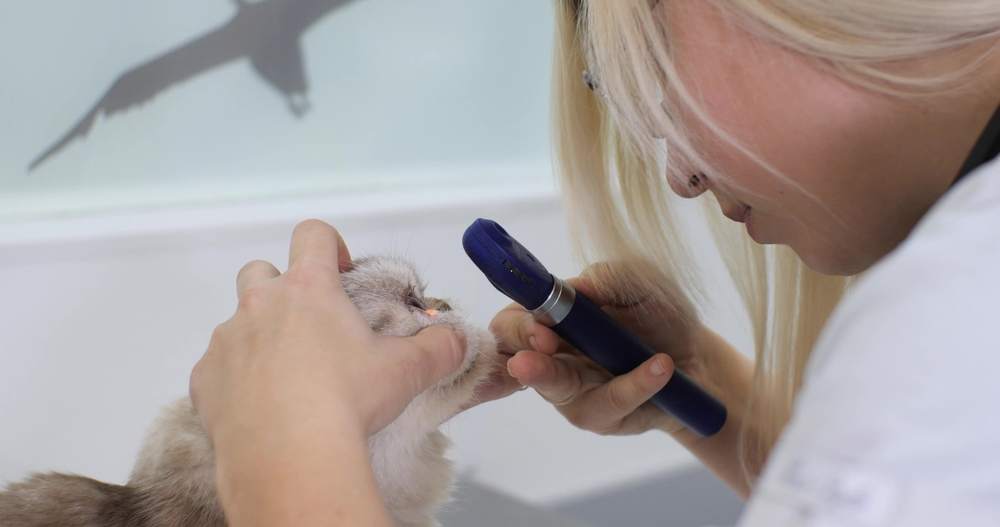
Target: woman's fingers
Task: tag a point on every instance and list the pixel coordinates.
(517, 330)
(254, 272)
(586, 285)
(590, 398)
(317, 243)
(558, 379)
(614, 400)
(619, 284)
(428, 356)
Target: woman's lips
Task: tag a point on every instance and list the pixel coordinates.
(738, 215)
(743, 214)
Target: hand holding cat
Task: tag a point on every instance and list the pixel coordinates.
(297, 349)
(293, 385)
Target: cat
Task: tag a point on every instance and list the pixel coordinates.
(173, 481)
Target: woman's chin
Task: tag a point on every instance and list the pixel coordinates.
(831, 262)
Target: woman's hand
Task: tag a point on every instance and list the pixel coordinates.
(584, 392)
(292, 386)
(297, 351)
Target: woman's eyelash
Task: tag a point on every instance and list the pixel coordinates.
(590, 80)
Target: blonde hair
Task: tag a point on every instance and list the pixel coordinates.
(611, 163)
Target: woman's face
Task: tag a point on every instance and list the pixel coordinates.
(867, 166)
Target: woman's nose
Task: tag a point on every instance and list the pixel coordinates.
(694, 186)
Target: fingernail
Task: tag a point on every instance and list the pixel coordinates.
(534, 342)
(657, 368)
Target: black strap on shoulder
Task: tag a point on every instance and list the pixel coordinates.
(987, 147)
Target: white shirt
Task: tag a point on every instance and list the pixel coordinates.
(898, 421)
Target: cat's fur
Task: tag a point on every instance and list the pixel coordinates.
(173, 481)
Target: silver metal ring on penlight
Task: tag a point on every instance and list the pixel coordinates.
(557, 305)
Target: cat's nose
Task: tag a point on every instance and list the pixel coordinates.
(432, 312)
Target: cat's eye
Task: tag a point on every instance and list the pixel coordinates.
(438, 304)
(414, 301)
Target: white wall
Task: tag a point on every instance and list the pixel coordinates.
(400, 93)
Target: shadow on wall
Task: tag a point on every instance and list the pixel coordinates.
(268, 33)
(687, 498)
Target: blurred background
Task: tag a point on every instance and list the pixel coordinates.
(152, 148)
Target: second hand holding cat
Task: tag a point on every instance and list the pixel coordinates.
(297, 374)
(299, 332)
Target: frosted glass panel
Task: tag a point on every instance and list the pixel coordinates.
(111, 104)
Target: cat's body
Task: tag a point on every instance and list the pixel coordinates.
(173, 481)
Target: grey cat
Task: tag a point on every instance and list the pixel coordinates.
(173, 481)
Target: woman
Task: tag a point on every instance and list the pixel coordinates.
(834, 128)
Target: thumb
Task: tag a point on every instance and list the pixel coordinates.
(432, 355)
(624, 394)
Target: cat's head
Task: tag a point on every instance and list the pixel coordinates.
(390, 296)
